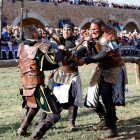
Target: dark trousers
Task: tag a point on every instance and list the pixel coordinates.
(106, 94)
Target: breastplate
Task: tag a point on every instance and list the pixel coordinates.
(30, 73)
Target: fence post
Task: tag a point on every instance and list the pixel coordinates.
(1, 8)
(137, 69)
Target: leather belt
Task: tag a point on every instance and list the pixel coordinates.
(32, 81)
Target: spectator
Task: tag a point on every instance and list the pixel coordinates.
(6, 38)
(86, 3)
(51, 32)
(70, 2)
(57, 31)
(47, 28)
(9, 30)
(125, 39)
(138, 40)
(111, 5)
(119, 39)
(135, 40)
(59, 1)
(79, 2)
(76, 2)
(106, 4)
(12, 39)
(40, 32)
(99, 3)
(61, 24)
(16, 35)
(5, 34)
(61, 31)
(135, 32)
(4, 21)
(130, 41)
(64, 20)
(91, 2)
(44, 38)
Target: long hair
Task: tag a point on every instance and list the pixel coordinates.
(103, 27)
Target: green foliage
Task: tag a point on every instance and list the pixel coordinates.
(11, 112)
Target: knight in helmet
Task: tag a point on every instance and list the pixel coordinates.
(109, 78)
(34, 58)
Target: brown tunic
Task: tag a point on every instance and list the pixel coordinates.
(111, 66)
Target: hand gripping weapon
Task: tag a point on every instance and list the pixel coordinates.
(67, 52)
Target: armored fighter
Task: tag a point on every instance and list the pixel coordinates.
(109, 78)
(34, 58)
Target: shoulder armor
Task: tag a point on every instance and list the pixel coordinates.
(106, 38)
(31, 51)
(26, 51)
(43, 46)
(19, 49)
(113, 45)
(109, 40)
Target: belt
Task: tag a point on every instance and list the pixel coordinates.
(32, 81)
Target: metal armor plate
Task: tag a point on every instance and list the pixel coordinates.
(103, 40)
(31, 52)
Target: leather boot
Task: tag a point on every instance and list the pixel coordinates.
(72, 118)
(112, 131)
(27, 121)
(41, 129)
(42, 116)
(102, 115)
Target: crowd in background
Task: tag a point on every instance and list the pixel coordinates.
(99, 3)
(130, 38)
(11, 35)
(124, 38)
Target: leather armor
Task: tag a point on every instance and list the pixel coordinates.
(114, 59)
(30, 73)
(111, 65)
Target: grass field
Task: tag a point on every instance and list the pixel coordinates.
(11, 112)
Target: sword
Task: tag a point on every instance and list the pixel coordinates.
(67, 52)
(47, 32)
